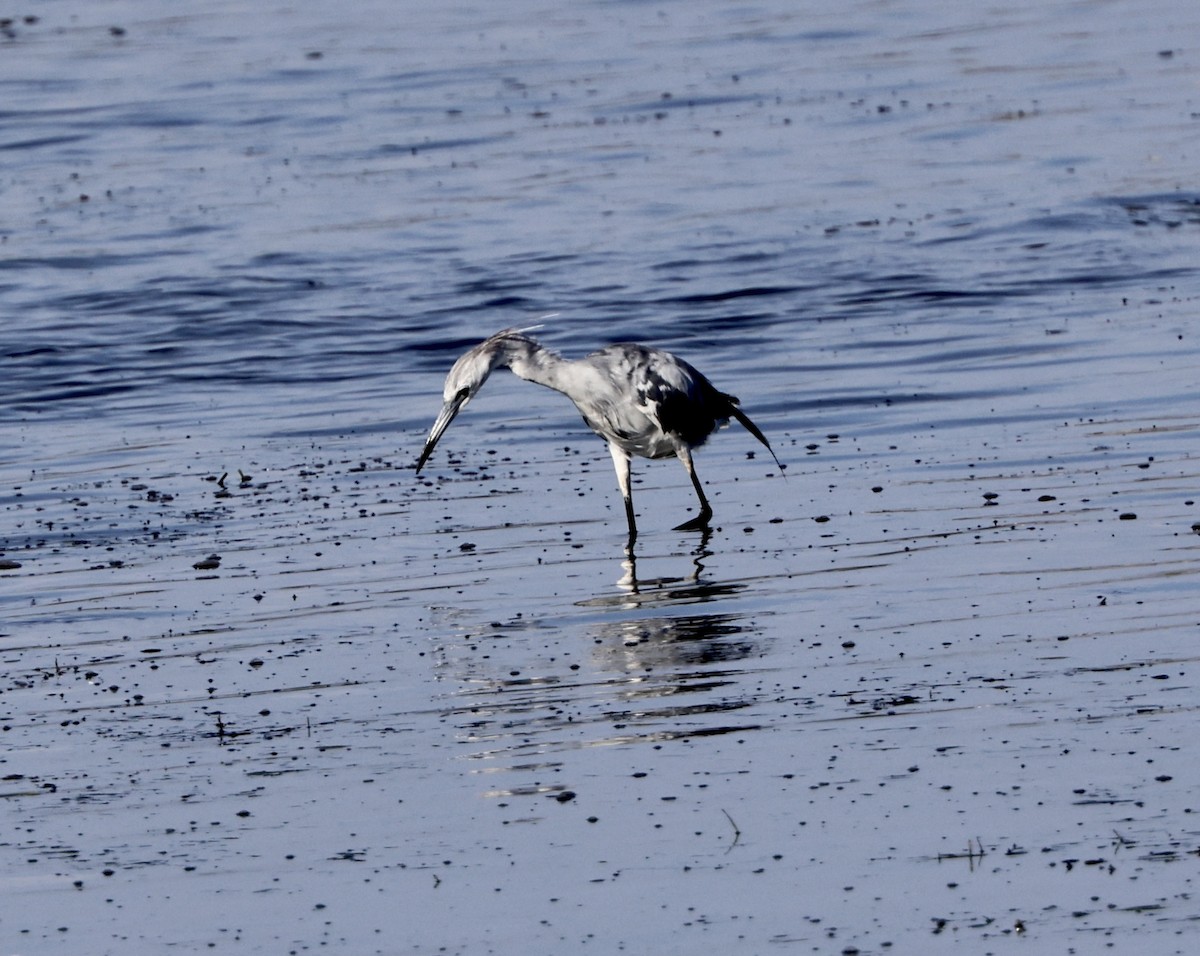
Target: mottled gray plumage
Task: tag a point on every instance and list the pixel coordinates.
(642, 401)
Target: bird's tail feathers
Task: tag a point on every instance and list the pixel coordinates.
(753, 429)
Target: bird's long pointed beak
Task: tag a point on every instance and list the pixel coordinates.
(445, 417)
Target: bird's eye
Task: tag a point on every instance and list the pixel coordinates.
(463, 394)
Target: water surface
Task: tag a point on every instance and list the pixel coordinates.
(264, 690)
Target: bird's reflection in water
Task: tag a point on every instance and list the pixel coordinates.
(671, 666)
(653, 675)
(632, 584)
(680, 651)
(653, 679)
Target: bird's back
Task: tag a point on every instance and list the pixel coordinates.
(649, 401)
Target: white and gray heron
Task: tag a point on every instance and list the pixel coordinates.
(641, 400)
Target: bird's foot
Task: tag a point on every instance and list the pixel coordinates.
(698, 523)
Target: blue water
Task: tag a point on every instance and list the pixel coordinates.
(947, 256)
(251, 207)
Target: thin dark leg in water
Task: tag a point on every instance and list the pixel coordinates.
(632, 524)
(700, 522)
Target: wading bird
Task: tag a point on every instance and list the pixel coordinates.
(642, 401)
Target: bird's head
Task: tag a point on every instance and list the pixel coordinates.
(465, 379)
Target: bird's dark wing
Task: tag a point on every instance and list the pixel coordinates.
(688, 404)
(653, 401)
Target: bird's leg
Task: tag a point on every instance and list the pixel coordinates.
(621, 462)
(700, 522)
(629, 580)
(632, 525)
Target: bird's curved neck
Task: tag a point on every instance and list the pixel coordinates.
(532, 361)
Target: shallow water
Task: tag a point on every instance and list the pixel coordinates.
(265, 690)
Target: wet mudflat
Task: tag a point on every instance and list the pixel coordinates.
(265, 690)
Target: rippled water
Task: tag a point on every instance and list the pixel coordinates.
(265, 690)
